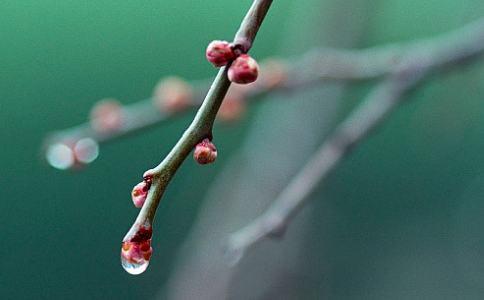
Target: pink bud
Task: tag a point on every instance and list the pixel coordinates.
(173, 94)
(243, 70)
(219, 53)
(140, 193)
(205, 152)
(107, 115)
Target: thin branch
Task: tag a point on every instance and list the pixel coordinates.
(412, 68)
(249, 28)
(311, 68)
(295, 195)
(200, 128)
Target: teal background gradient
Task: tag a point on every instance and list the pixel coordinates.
(410, 200)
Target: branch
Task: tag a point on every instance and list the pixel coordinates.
(314, 67)
(200, 128)
(413, 66)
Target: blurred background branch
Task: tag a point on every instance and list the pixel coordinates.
(412, 66)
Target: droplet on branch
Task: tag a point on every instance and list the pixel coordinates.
(136, 251)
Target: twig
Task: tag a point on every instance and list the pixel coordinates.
(292, 198)
(412, 68)
(200, 128)
(314, 67)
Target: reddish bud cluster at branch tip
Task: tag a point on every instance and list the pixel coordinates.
(107, 116)
(219, 53)
(172, 94)
(243, 70)
(140, 191)
(205, 152)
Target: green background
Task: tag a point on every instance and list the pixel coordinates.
(410, 198)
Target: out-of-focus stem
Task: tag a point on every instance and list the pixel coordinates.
(412, 66)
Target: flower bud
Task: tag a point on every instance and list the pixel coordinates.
(107, 116)
(243, 70)
(140, 193)
(173, 94)
(205, 152)
(219, 53)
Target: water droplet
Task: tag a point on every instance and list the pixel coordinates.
(134, 268)
(136, 252)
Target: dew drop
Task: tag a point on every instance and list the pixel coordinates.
(136, 254)
(134, 268)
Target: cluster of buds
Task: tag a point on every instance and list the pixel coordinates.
(244, 69)
(140, 191)
(205, 152)
(136, 251)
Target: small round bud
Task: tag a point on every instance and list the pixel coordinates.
(205, 152)
(107, 115)
(140, 193)
(219, 53)
(243, 70)
(173, 94)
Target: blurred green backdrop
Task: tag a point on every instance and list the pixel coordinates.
(411, 198)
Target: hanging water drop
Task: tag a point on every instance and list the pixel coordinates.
(134, 267)
(136, 251)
